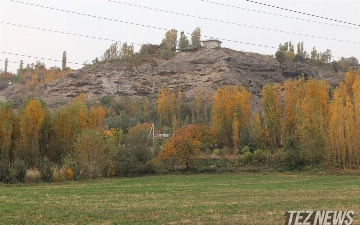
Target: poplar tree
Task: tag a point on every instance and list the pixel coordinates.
(64, 59)
(196, 38)
(6, 65)
(183, 42)
(21, 68)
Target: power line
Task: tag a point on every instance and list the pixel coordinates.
(274, 14)
(136, 24)
(36, 57)
(62, 32)
(9, 61)
(232, 23)
(303, 13)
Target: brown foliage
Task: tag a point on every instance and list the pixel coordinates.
(185, 144)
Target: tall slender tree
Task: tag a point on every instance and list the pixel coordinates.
(64, 60)
(196, 38)
(183, 42)
(6, 65)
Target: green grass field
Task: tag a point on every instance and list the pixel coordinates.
(178, 199)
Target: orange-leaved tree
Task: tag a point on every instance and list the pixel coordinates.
(30, 120)
(96, 117)
(185, 144)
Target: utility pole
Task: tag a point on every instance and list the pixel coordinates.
(153, 136)
(152, 131)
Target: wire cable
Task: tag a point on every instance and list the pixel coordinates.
(9, 61)
(274, 14)
(62, 32)
(232, 23)
(36, 57)
(303, 13)
(136, 24)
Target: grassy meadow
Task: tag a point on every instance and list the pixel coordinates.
(260, 199)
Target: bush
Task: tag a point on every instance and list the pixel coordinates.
(70, 164)
(289, 55)
(260, 157)
(32, 176)
(225, 151)
(69, 174)
(280, 56)
(106, 100)
(245, 149)
(20, 170)
(293, 156)
(147, 168)
(165, 53)
(5, 171)
(45, 167)
(56, 174)
(125, 161)
(216, 152)
(246, 156)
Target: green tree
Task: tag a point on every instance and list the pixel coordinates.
(280, 56)
(326, 56)
(196, 38)
(127, 50)
(183, 42)
(90, 152)
(314, 54)
(6, 128)
(112, 52)
(136, 141)
(21, 68)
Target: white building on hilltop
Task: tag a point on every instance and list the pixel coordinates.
(211, 43)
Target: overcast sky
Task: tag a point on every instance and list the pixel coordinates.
(32, 42)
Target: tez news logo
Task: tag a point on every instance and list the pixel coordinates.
(302, 217)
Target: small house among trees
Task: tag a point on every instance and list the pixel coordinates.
(211, 43)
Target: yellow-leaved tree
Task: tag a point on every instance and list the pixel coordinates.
(272, 115)
(90, 152)
(30, 120)
(230, 114)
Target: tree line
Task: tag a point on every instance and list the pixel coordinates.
(302, 123)
(29, 76)
(287, 51)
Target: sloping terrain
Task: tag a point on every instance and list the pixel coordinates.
(206, 70)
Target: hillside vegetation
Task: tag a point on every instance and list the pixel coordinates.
(221, 109)
(301, 125)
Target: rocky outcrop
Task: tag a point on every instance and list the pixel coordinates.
(206, 70)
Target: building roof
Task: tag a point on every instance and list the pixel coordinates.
(210, 40)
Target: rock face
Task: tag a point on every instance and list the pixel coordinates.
(206, 70)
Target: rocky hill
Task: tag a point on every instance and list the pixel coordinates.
(206, 70)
